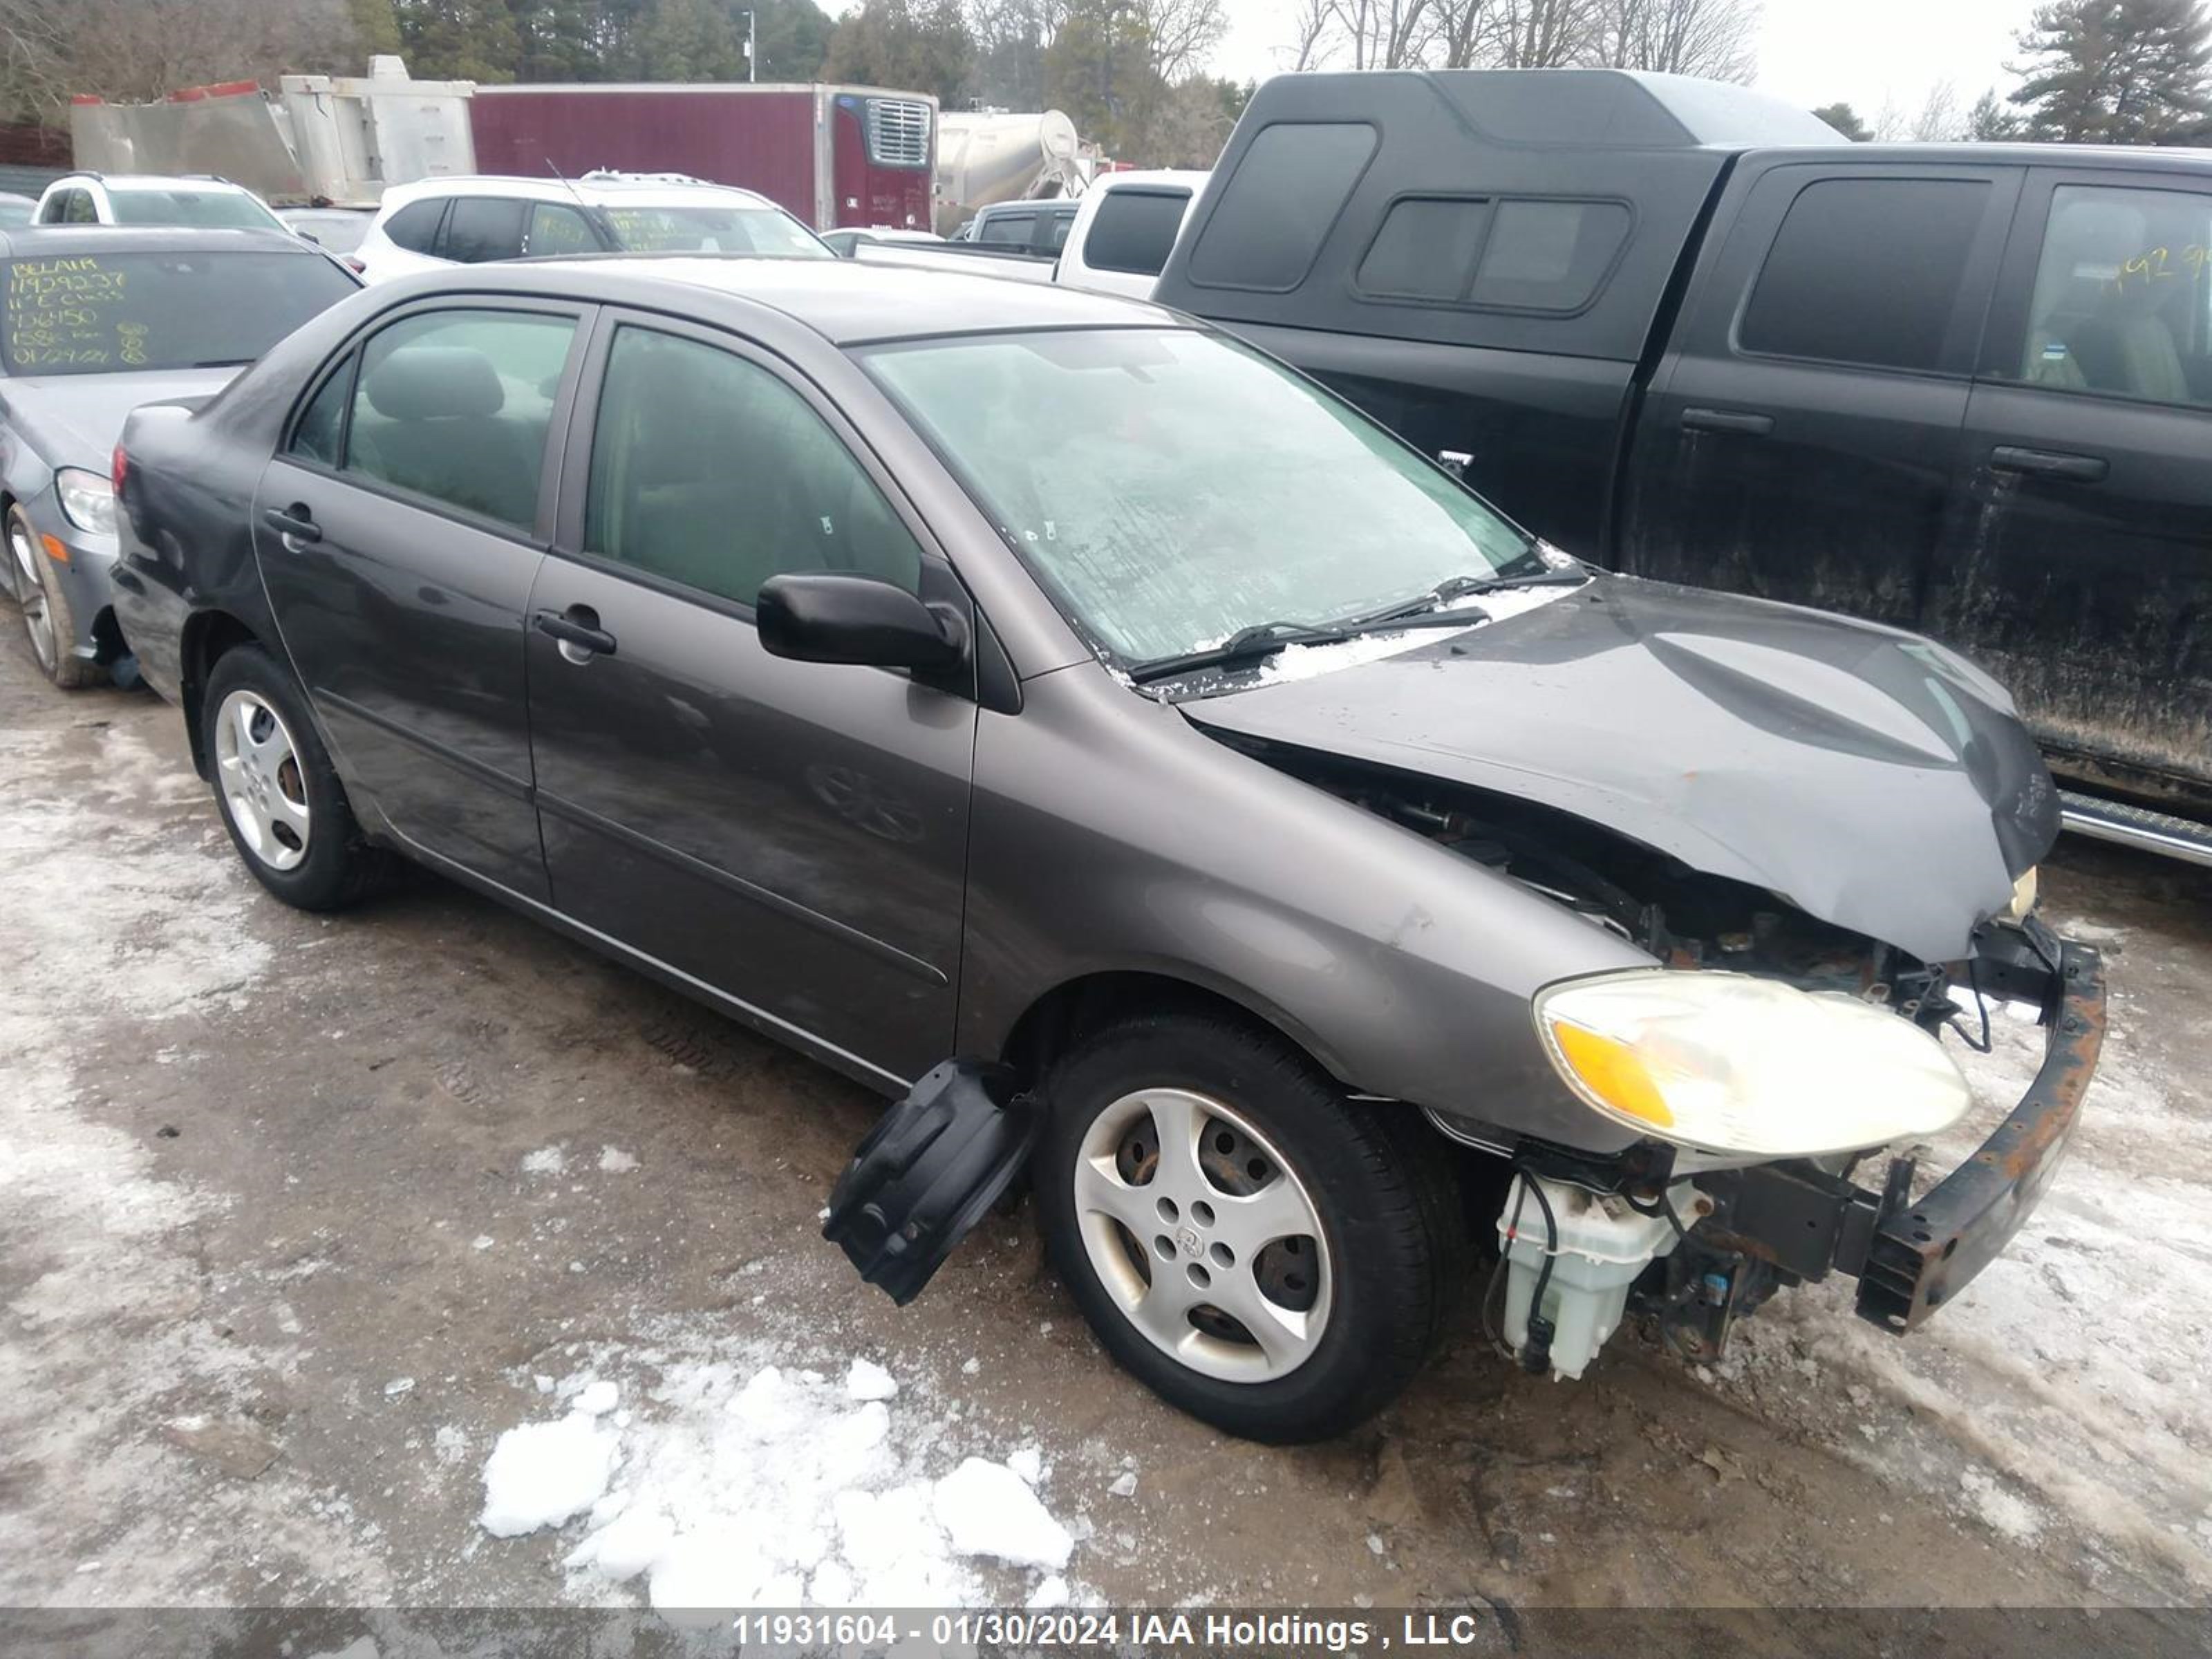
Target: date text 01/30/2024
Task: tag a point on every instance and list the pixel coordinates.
(1073, 1628)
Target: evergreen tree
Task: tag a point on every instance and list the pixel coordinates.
(692, 40)
(909, 46)
(1990, 122)
(376, 27)
(458, 39)
(2117, 72)
(1845, 120)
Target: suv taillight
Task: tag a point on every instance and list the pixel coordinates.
(118, 468)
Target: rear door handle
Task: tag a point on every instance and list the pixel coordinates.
(295, 522)
(1727, 420)
(577, 630)
(2050, 463)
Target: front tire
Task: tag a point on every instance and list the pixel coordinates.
(280, 797)
(48, 621)
(1260, 1251)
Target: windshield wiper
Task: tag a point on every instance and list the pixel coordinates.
(1245, 645)
(223, 362)
(1462, 587)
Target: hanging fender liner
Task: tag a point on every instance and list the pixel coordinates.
(928, 1171)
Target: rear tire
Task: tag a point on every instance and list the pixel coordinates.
(48, 621)
(280, 798)
(1314, 1331)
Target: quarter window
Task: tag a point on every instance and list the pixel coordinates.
(2124, 295)
(1008, 229)
(321, 434)
(484, 227)
(1134, 230)
(1294, 179)
(708, 471)
(454, 406)
(414, 227)
(1866, 271)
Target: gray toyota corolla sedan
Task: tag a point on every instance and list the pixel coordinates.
(93, 323)
(1048, 709)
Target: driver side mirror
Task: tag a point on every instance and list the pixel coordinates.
(835, 617)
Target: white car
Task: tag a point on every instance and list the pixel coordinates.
(111, 198)
(1125, 224)
(436, 222)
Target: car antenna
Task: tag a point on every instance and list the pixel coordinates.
(572, 189)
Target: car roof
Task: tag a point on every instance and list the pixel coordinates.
(154, 181)
(598, 190)
(1195, 178)
(59, 242)
(847, 302)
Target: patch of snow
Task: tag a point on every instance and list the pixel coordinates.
(986, 1509)
(542, 1474)
(866, 1380)
(481, 1242)
(596, 1398)
(398, 1386)
(1052, 1593)
(1125, 1484)
(546, 1161)
(1028, 1463)
(615, 1161)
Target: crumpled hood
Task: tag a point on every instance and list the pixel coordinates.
(74, 420)
(1869, 777)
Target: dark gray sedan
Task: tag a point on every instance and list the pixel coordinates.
(1293, 866)
(93, 323)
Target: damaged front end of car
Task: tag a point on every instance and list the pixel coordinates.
(1784, 1072)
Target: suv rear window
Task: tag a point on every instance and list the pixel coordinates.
(415, 226)
(1287, 192)
(1134, 230)
(1866, 271)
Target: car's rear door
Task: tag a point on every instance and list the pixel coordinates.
(399, 530)
(1798, 442)
(2081, 574)
(791, 835)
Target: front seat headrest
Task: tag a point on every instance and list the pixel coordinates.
(425, 383)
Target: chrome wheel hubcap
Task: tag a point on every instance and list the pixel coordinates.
(1207, 1240)
(258, 769)
(31, 594)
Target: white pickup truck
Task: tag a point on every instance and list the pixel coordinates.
(1125, 225)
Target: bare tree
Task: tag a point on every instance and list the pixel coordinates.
(1716, 39)
(142, 49)
(1180, 34)
(1938, 121)
(1311, 46)
(1540, 33)
(1458, 33)
(1889, 126)
(1384, 33)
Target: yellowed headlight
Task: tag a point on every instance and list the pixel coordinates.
(2023, 896)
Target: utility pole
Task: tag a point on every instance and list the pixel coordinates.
(752, 46)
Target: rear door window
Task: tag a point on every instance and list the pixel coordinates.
(483, 229)
(2123, 301)
(1135, 229)
(1287, 192)
(1008, 230)
(455, 406)
(1867, 271)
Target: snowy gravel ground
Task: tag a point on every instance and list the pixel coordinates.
(420, 1257)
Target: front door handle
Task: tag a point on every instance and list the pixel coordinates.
(1728, 420)
(577, 630)
(295, 523)
(2050, 463)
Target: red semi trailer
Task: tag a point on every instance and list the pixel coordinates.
(833, 155)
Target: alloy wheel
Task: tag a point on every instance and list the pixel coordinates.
(1204, 1236)
(258, 769)
(31, 594)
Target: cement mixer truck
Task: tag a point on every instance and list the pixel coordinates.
(991, 156)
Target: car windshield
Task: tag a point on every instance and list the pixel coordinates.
(214, 209)
(1170, 488)
(130, 312)
(713, 230)
(15, 212)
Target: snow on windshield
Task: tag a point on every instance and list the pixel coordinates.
(1170, 487)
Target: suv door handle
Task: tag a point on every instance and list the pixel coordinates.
(577, 630)
(2049, 464)
(1727, 420)
(295, 523)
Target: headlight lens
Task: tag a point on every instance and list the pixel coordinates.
(1732, 1063)
(88, 500)
(2023, 896)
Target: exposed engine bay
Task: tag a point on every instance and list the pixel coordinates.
(1689, 1241)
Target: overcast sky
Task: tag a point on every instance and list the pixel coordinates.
(1811, 51)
